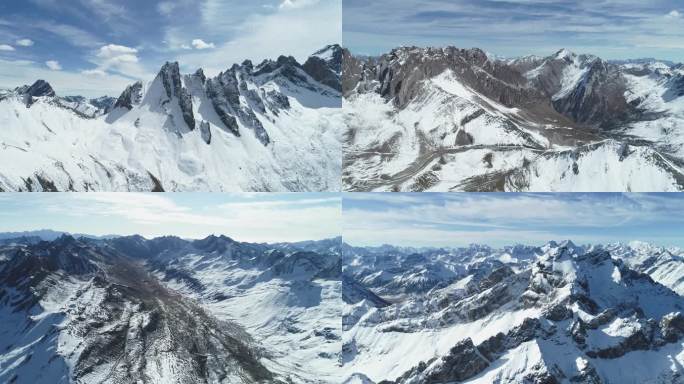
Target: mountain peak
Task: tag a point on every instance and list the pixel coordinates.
(328, 52)
(37, 89)
(131, 96)
(65, 239)
(287, 60)
(170, 66)
(564, 54)
(567, 244)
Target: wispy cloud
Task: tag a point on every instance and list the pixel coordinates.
(609, 28)
(263, 218)
(211, 34)
(53, 65)
(497, 219)
(201, 44)
(297, 29)
(24, 42)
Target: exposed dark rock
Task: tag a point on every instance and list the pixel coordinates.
(326, 71)
(171, 79)
(672, 327)
(205, 131)
(39, 89)
(463, 362)
(131, 96)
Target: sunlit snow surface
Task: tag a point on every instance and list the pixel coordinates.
(123, 150)
(295, 318)
(422, 325)
(449, 137)
(286, 307)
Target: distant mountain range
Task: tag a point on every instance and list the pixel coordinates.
(274, 126)
(47, 235)
(449, 119)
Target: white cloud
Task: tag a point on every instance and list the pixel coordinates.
(298, 32)
(148, 214)
(94, 72)
(166, 7)
(296, 3)
(674, 14)
(110, 12)
(201, 44)
(119, 59)
(53, 65)
(24, 42)
(462, 219)
(5, 47)
(118, 53)
(73, 35)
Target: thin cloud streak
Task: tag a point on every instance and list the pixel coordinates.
(613, 29)
(500, 219)
(280, 217)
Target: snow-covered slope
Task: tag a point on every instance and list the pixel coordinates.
(447, 119)
(167, 310)
(559, 313)
(275, 126)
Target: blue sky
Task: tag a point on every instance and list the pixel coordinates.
(95, 47)
(254, 217)
(612, 29)
(496, 219)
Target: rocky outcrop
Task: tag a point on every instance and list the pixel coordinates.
(171, 79)
(130, 97)
(121, 318)
(582, 304)
(325, 66)
(205, 130)
(224, 92)
(40, 88)
(598, 98)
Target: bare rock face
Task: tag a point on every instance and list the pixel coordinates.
(325, 66)
(205, 130)
(401, 71)
(131, 96)
(352, 71)
(122, 320)
(464, 361)
(171, 79)
(598, 98)
(224, 92)
(597, 316)
(672, 327)
(40, 88)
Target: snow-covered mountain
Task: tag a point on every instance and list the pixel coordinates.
(559, 313)
(167, 310)
(275, 126)
(449, 119)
